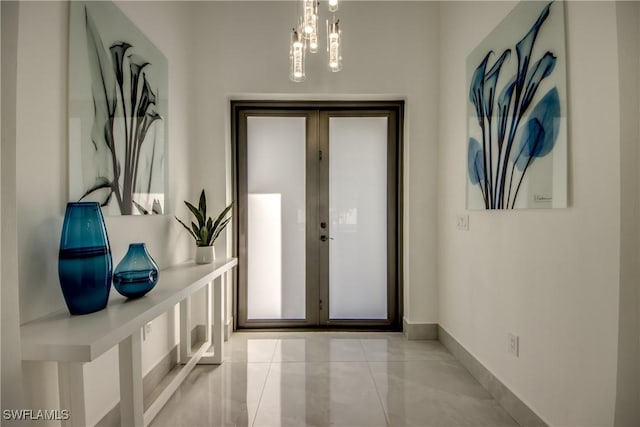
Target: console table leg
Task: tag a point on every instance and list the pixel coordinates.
(228, 314)
(218, 321)
(185, 330)
(209, 313)
(72, 397)
(130, 358)
(216, 334)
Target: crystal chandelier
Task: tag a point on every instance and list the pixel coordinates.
(305, 37)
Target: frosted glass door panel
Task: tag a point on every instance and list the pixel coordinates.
(276, 217)
(358, 215)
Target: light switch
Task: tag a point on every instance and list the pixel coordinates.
(462, 222)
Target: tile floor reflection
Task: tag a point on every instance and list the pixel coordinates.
(332, 379)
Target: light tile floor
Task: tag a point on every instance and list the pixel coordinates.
(332, 379)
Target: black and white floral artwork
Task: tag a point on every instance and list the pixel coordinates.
(117, 112)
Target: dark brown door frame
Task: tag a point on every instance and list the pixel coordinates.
(393, 203)
(394, 110)
(240, 224)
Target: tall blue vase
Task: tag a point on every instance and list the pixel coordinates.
(84, 261)
(137, 273)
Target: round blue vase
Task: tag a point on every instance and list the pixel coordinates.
(137, 273)
(84, 260)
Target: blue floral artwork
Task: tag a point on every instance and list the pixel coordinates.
(516, 142)
(118, 112)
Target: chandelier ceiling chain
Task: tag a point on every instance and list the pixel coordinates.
(304, 36)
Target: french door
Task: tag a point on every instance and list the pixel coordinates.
(318, 225)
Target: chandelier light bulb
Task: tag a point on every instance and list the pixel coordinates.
(296, 57)
(333, 5)
(334, 42)
(310, 17)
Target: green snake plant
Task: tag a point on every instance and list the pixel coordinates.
(204, 229)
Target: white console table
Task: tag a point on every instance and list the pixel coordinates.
(74, 340)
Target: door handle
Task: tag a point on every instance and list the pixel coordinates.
(325, 238)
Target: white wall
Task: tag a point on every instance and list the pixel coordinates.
(551, 276)
(42, 179)
(628, 386)
(390, 51)
(11, 367)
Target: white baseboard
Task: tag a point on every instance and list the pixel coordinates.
(419, 331)
(505, 397)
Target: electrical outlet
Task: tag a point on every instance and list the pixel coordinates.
(146, 331)
(514, 344)
(462, 222)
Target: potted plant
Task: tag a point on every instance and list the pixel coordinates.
(206, 231)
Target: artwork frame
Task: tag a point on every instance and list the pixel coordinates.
(118, 112)
(517, 112)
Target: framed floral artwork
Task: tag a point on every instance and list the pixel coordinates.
(118, 112)
(517, 112)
